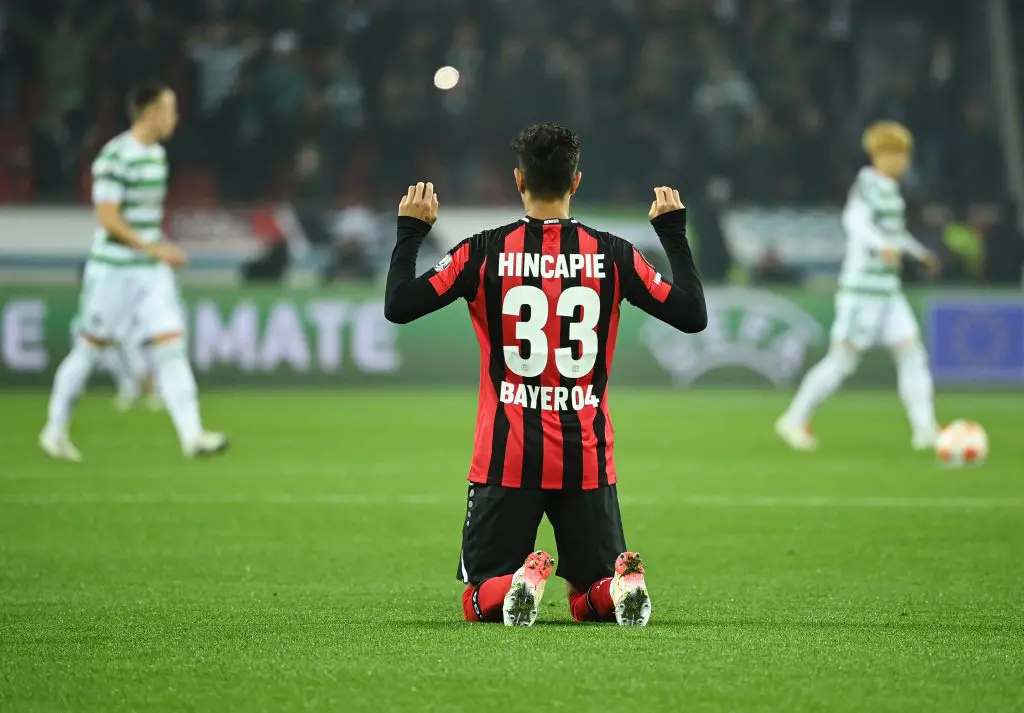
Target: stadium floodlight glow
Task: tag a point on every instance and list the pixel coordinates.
(446, 78)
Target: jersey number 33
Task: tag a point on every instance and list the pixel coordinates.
(531, 330)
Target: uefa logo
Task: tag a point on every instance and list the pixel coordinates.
(747, 328)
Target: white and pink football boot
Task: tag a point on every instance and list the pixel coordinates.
(629, 591)
(523, 599)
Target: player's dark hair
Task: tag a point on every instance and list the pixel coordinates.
(144, 95)
(549, 156)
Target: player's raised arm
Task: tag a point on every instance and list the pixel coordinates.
(680, 302)
(408, 297)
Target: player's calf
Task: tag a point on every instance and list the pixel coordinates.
(818, 384)
(68, 384)
(594, 603)
(514, 598)
(914, 382)
(177, 385)
(622, 598)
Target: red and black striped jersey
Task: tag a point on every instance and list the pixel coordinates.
(544, 299)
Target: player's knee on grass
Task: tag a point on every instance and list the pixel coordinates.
(468, 610)
(483, 602)
(591, 603)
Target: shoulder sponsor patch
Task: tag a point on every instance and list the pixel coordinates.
(445, 262)
(644, 258)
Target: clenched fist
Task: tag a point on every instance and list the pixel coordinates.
(666, 200)
(420, 202)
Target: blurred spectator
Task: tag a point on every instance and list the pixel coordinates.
(54, 156)
(8, 73)
(812, 156)
(608, 77)
(462, 110)
(897, 101)
(705, 215)
(282, 82)
(764, 154)
(516, 76)
(313, 175)
(1004, 248)
(773, 270)
(963, 240)
(976, 159)
(466, 52)
(273, 227)
(403, 111)
(243, 152)
(357, 238)
(219, 50)
(725, 99)
(770, 95)
(344, 92)
(925, 224)
(65, 53)
(146, 46)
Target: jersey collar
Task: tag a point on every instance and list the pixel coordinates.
(548, 221)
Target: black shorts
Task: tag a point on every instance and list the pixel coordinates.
(501, 530)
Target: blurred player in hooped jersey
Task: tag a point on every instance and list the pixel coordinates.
(871, 309)
(129, 293)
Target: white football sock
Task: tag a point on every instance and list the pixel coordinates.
(68, 384)
(821, 382)
(133, 357)
(914, 381)
(177, 386)
(123, 369)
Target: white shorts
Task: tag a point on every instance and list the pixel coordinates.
(133, 338)
(129, 303)
(867, 321)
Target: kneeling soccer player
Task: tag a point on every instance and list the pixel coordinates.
(544, 295)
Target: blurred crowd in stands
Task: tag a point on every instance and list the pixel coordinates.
(332, 102)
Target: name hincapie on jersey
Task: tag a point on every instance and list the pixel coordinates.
(544, 298)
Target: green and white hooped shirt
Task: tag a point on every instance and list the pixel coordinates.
(874, 219)
(133, 175)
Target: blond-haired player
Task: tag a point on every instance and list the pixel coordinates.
(871, 309)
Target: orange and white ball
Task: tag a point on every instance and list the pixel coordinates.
(962, 443)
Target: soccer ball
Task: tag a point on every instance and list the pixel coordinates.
(962, 443)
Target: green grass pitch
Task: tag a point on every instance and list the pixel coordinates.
(313, 567)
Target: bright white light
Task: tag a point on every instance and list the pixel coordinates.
(446, 78)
